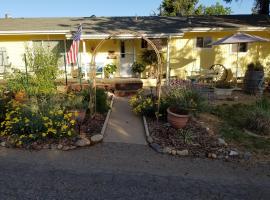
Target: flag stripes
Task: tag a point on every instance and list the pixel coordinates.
(72, 55)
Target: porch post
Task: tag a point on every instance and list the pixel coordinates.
(168, 61)
(134, 51)
(84, 60)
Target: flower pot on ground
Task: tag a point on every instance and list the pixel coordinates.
(138, 68)
(254, 78)
(177, 118)
(223, 89)
(182, 102)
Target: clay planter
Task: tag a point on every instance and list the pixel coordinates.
(78, 115)
(177, 120)
(20, 96)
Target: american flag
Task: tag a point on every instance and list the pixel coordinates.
(74, 49)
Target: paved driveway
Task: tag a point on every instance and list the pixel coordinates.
(123, 171)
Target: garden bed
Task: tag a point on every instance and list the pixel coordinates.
(194, 140)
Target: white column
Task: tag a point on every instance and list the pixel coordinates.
(134, 51)
(85, 60)
(168, 61)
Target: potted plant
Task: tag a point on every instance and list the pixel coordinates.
(223, 89)
(109, 70)
(182, 102)
(138, 68)
(254, 78)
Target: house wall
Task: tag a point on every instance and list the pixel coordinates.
(15, 47)
(185, 57)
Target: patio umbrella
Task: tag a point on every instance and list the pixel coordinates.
(239, 38)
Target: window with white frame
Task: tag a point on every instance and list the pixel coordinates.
(242, 48)
(204, 42)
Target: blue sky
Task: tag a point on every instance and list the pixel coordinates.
(58, 8)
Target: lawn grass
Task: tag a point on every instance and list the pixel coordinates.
(238, 118)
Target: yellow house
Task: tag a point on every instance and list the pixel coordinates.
(185, 42)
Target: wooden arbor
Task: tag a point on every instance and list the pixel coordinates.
(92, 77)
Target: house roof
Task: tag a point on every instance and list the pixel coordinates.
(145, 25)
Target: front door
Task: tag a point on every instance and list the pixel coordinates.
(126, 58)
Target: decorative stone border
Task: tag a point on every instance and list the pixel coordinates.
(157, 147)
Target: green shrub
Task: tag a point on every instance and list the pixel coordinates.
(102, 104)
(138, 67)
(184, 99)
(43, 71)
(109, 69)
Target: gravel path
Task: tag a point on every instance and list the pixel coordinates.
(125, 171)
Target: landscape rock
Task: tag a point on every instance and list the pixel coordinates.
(222, 142)
(167, 150)
(3, 144)
(233, 153)
(97, 138)
(59, 146)
(174, 152)
(183, 152)
(82, 142)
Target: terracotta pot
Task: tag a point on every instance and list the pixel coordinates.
(176, 120)
(78, 115)
(20, 96)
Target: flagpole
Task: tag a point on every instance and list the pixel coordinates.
(65, 61)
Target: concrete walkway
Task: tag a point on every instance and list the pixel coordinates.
(124, 126)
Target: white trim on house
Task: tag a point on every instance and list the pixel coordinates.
(55, 32)
(185, 30)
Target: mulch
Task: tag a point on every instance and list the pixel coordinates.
(200, 142)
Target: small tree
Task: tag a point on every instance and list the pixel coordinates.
(43, 71)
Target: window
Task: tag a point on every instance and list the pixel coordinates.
(123, 49)
(144, 44)
(204, 42)
(242, 47)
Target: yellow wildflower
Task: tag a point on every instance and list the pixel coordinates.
(69, 133)
(44, 134)
(73, 122)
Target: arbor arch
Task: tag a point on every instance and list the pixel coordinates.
(92, 80)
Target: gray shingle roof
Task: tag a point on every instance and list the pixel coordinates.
(150, 25)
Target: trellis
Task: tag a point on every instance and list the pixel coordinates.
(92, 80)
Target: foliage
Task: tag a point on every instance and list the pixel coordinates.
(102, 104)
(191, 7)
(223, 85)
(149, 57)
(26, 123)
(43, 70)
(255, 67)
(216, 9)
(109, 69)
(184, 99)
(186, 135)
(76, 101)
(255, 117)
(260, 6)
(142, 104)
(138, 67)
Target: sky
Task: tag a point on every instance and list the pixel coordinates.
(72, 8)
